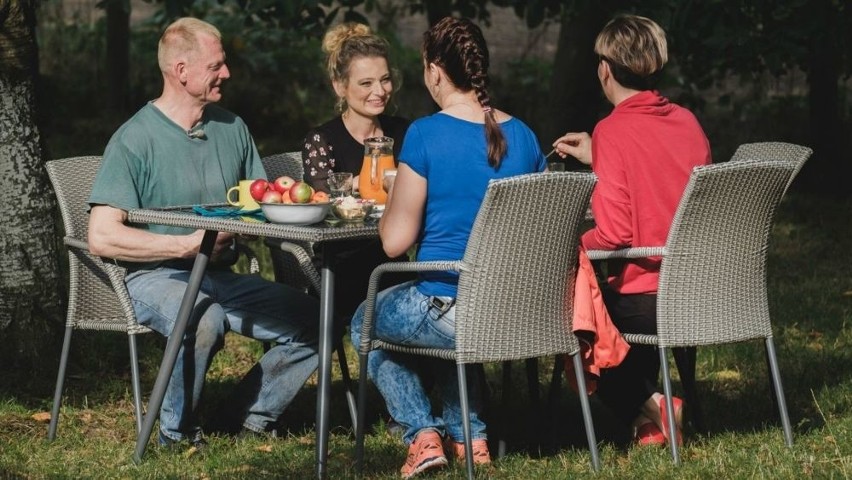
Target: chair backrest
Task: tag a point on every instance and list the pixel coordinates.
(97, 297)
(780, 151)
(288, 163)
(712, 286)
(520, 261)
(286, 267)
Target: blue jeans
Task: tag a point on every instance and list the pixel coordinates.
(245, 304)
(404, 316)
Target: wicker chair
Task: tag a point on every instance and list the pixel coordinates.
(292, 262)
(712, 287)
(97, 298)
(774, 151)
(685, 357)
(519, 263)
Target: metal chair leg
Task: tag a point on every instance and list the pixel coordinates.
(347, 385)
(465, 412)
(779, 391)
(667, 391)
(134, 378)
(587, 411)
(60, 383)
(362, 413)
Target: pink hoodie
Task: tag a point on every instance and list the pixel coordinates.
(643, 154)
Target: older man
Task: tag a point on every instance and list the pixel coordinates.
(182, 149)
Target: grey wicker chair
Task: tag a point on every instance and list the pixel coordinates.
(519, 263)
(774, 151)
(685, 357)
(97, 297)
(292, 262)
(712, 287)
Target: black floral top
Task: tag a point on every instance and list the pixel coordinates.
(330, 148)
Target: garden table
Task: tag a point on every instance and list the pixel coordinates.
(319, 233)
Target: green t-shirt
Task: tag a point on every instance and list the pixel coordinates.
(152, 162)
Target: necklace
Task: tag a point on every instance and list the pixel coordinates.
(352, 130)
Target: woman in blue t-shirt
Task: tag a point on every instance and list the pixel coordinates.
(446, 162)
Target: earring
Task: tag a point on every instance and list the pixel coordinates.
(340, 106)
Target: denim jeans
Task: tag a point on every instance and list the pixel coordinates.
(245, 304)
(404, 316)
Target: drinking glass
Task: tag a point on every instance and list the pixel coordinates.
(388, 177)
(555, 167)
(340, 184)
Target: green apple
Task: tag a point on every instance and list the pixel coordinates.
(301, 192)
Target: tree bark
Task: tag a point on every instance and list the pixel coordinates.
(828, 171)
(118, 54)
(31, 290)
(575, 100)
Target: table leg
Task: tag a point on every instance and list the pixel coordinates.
(174, 343)
(325, 348)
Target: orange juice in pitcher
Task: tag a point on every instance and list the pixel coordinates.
(378, 155)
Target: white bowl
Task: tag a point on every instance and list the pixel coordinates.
(295, 213)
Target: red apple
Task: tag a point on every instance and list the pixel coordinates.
(258, 188)
(271, 196)
(283, 183)
(301, 192)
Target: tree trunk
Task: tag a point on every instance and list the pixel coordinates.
(118, 54)
(575, 100)
(31, 291)
(829, 170)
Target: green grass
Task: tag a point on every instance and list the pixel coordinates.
(811, 301)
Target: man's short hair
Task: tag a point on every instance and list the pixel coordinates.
(181, 38)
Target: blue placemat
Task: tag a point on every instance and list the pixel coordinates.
(228, 212)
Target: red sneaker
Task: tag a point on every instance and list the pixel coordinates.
(649, 434)
(424, 453)
(677, 404)
(481, 455)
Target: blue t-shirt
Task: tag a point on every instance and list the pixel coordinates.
(452, 155)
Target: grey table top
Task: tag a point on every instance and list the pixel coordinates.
(318, 232)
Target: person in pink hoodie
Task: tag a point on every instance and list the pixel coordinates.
(642, 154)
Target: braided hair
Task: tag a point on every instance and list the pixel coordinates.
(458, 46)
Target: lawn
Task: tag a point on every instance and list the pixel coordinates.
(810, 277)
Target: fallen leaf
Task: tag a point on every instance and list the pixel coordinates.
(264, 448)
(43, 417)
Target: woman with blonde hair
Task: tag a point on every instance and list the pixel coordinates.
(358, 67)
(643, 154)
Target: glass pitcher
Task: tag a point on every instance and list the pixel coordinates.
(378, 155)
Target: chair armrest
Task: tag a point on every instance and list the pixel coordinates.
(254, 264)
(636, 252)
(304, 259)
(76, 243)
(372, 290)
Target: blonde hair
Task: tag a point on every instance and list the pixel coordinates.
(636, 43)
(181, 38)
(346, 42)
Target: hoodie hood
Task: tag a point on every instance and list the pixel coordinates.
(646, 102)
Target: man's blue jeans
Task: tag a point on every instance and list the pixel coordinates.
(404, 316)
(245, 304)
